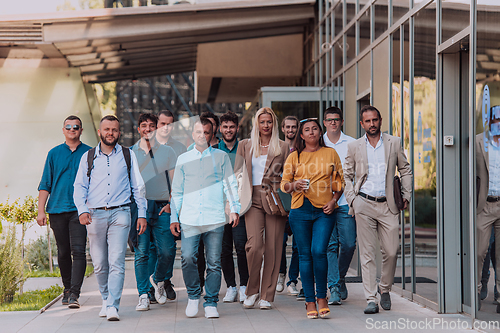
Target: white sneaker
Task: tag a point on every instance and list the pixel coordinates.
(160, 294)
(281, 283)
(231, 295)
(292, 289)
(243, 296)
(249, 302)
(112, 314)
(143, 303)
(102, 313)
(192, 307)
(211, 312)
(264, 305)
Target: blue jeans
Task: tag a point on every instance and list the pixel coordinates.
(312, 229)
(157, 233)
(108, 234)
(344, 233)
(293, 271)
(213, 247)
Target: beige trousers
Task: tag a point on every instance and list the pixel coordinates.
(374, 219)
(261, 245)
(487, 219)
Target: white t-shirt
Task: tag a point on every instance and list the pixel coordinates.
(341, 149)
(258, 166)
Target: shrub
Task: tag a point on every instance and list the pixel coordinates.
(11, 264)
(37, 253)
(32, 300)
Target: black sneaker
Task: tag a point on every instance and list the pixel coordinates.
(73, 302)
(169, 289)
(151, 295)
(301, 296)
(65, 298)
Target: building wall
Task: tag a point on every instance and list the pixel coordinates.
(34, 104)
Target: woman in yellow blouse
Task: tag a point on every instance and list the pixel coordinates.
(311, 173)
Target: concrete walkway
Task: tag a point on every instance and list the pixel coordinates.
(288, 315)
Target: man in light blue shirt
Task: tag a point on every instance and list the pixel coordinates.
(203, 178)
(344, 232)
(102, 198)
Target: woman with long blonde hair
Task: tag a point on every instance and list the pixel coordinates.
(264, 155)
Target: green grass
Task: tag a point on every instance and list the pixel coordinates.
(32, 300)
(55, 273)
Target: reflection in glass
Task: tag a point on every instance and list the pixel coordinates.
(351, 10)
(455, 17)
(424, 169)
(487, 157)
(364, 30)
(381, 16)
(399, 8)
(351, 44)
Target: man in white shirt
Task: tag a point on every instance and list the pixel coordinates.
(344, 231)
(203, 180)
(373, 159)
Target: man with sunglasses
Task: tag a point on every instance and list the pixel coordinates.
(344, 232)
(56, 185)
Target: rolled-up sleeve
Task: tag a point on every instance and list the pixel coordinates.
(46, 181)
(138, 187)
(81, 186)
(177, 192)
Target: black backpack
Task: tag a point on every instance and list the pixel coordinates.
(91, 158)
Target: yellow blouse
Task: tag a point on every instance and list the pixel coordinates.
(320, 167)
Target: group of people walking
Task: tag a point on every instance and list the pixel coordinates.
(217, 195)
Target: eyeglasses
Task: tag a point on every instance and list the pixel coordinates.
(308, 119)
(75, 127)
(330, 120)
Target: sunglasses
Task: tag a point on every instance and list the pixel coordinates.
(308, 119)
(75, 127)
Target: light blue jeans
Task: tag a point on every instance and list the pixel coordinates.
(213, 247)
(344, 233)
(108, 234)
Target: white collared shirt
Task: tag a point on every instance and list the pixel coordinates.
(341, 149)
(494, 168)
(375, 182)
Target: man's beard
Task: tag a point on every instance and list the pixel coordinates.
(109, 143)
(291, 137)
(229, 139)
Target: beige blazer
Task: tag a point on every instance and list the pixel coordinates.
(273, 170)
(482, 173)
(356, 165)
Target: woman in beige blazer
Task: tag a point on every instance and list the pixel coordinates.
(264, 155)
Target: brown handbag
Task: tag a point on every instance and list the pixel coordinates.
(336, 182)
(271, 187)
(398, 196)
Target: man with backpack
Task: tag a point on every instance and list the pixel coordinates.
(156, 164)
(107, 177)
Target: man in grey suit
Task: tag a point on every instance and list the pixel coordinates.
(373, 159)
(488, 193)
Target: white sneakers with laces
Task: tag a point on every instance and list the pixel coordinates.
(211, 312)
(102, 313)
(143, 303)
(112, 314)
(231, 295)
(281, 283)
(264, 305)
(292, 289)
(250, 301)
(192, 307)
(160, 294)
(243, 296)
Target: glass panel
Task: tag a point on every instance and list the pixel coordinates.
(399, 8)
(425, 153)
(487, 153)
(364, 31)
(396, 83)
(350, 112)
(381, 82)
(455, 17)
(364, 74)
(381, 16)
(351, 44)
(351, 10)
(338, 18)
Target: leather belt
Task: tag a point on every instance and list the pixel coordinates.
(369, 197)
(492, 199)
(114, 207)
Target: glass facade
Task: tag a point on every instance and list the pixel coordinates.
(432, 67)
